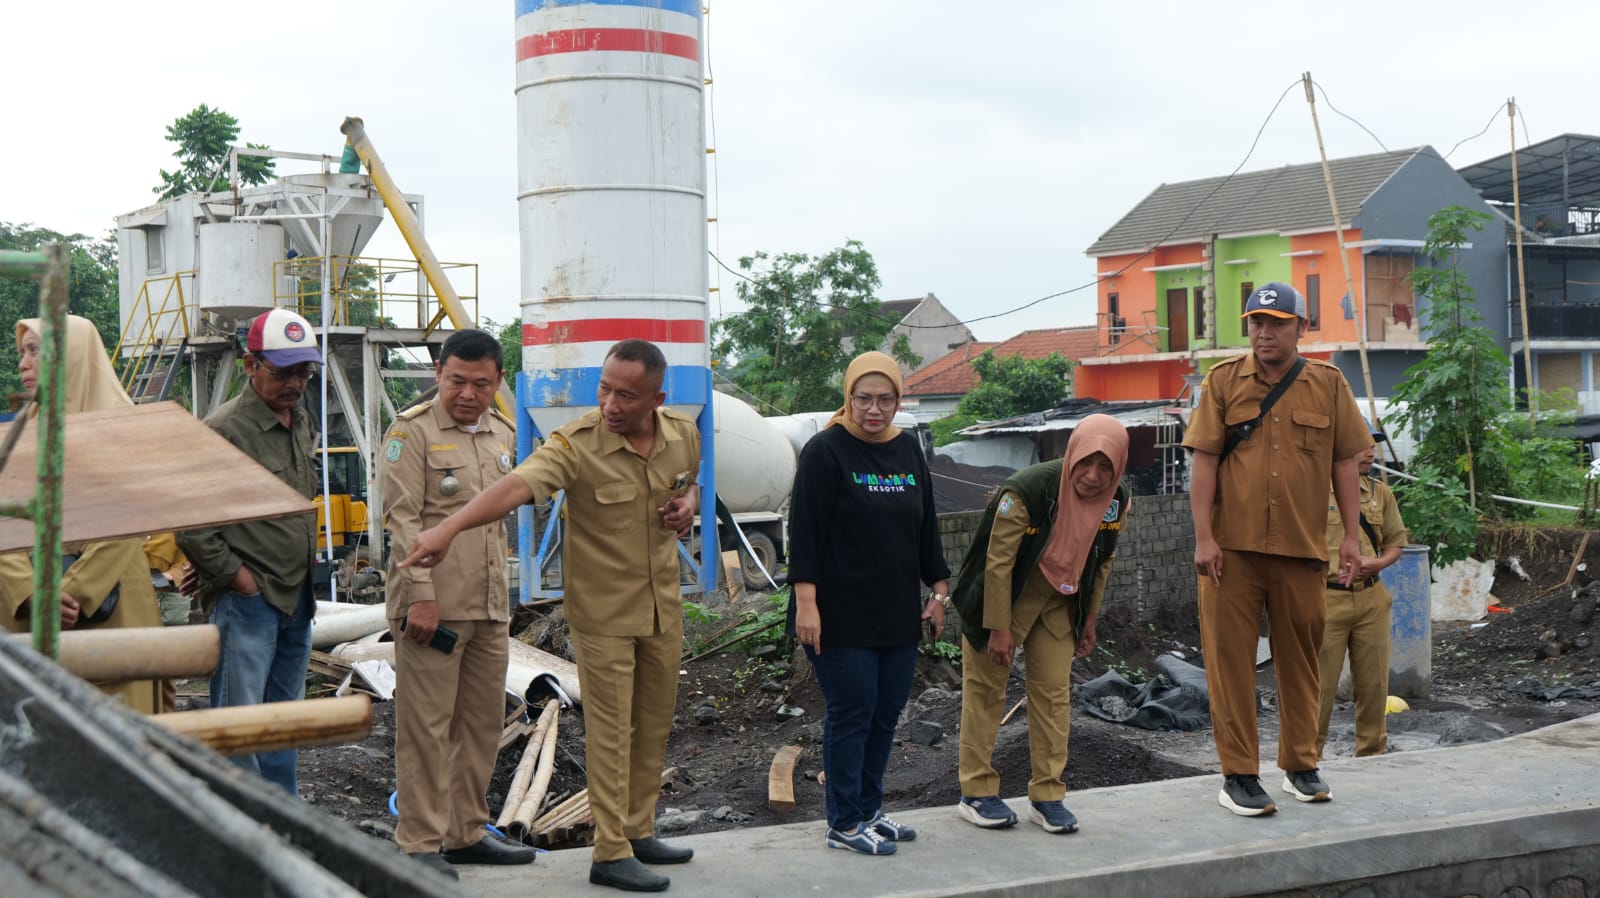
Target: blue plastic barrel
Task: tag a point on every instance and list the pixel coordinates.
(1410, 624)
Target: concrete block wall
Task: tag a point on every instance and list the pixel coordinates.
(1154, 570)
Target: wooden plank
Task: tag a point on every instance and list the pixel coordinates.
(780, 779)
(1577, 558)
(140, 470)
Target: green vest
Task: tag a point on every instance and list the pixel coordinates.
(1037, 486)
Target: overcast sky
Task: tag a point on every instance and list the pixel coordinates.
(976, 149)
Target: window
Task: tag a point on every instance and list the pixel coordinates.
(1199, 312)
(1115, 322)
(1314, 300)
(155, 256)
(1245, 289)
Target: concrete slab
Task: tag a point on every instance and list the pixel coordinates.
(1522, 810)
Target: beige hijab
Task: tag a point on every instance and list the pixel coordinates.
(864, 364)
(92, 383)
(1078, 520)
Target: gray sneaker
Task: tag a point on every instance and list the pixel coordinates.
(1307, 785)
(988, 812)
(1243, 795)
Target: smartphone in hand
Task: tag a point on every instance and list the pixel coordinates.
(444, 638)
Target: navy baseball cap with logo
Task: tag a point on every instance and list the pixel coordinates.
(282, 339)
(1277, 300)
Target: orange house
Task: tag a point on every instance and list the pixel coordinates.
(1174, 271)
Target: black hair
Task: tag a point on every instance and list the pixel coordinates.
(655, 364)
(472, 345)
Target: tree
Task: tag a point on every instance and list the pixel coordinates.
(203, 137)
(792, 343)
(510, 336)
(1008, 386)
(92, 292)
(1457, 407)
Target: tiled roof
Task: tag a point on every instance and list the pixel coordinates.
(949, 373)
(1291, 198)
(952, 375)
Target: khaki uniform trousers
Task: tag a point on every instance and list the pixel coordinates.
(449, 711)
(1042, 624)
(1230, 617)
(1358, 622)
(630, 688)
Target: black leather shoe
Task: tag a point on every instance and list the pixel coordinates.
(434, 860)
(490, 850)
(652, 850)
(628, 875)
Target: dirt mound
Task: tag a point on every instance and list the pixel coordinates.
(959, 487)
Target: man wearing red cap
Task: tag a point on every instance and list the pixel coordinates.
(254, 578)
(1271, 432)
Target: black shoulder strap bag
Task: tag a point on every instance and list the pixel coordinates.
(1241, 432)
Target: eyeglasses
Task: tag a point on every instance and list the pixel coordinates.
(885, 402)
(299, 372)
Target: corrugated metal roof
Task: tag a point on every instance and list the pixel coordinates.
(1291, 198)
(1071, 413)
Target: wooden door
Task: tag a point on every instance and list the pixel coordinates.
(1178, 320)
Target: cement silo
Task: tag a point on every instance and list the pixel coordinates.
(611, 207)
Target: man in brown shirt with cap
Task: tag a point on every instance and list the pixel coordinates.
(449, 699)
(1260, 521)
(629, 470)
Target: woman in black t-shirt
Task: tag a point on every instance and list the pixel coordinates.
(863, 540)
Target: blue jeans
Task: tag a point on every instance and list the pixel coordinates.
(865, 691)
(264, 658)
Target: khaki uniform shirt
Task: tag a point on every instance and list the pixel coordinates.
(424, 447)
(1011, 523)
(1380, 510)
(1270, 490)
(280, 552)
(621, 564)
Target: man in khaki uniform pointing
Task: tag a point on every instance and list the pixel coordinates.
(629, 470)
(449, 704)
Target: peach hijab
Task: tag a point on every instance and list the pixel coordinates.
(864, 364)
(1078, 520)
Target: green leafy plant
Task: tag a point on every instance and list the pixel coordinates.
(697, 613)
(944, 651)
(203, 137)
(1435, 507)
(1007, 386)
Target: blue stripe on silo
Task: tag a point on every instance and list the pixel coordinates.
(687, 7)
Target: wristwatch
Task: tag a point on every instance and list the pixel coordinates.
(941, 598)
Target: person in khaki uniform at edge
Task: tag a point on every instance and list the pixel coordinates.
(449, 706)
(629, 471)
(1260, 538)
(1358, 614)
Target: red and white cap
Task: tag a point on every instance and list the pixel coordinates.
(282, 339)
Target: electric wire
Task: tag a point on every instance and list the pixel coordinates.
(1070, 290)
(1336, 110)
(1486, 126)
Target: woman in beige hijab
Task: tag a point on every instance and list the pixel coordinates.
(863, 542)
(107, 584)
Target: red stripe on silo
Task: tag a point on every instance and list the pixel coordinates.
(595, 330)
(628, 40)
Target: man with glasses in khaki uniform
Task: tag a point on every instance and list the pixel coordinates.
(629, 470)
(449, 699)
(1260, 527)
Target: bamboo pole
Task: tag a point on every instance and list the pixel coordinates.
(1522, 278)
(248, 729)
(524, 771)
(541, 779)
(52, 450)
(140, 653)
(1359, 302)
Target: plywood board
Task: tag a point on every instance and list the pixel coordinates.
(141, 470)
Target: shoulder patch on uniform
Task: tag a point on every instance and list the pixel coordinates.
(414, 411)
(392, 450)
(1007, 502)
(561, 438)
(1112, 511)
